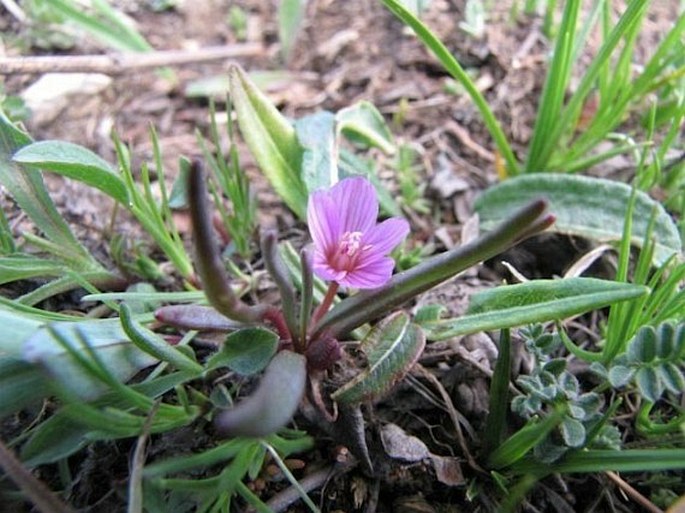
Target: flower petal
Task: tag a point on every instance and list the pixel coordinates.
(385, 236)
(323, 269)
(357, 204)
(323, 220)
(370, 274)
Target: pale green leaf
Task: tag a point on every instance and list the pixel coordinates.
(46, 348)
(573, 432)
(584, 206)
(363, 123)
(532, 302)
(75, 162)
(28, 190)
(290, 16)
(271, 139)
(316, 135)
(648, 382)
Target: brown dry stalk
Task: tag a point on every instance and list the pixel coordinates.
(120, 63)
(633, 493)
(40, 495)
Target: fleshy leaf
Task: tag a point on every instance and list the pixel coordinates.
(246, 351)
(75, 162)
(271, 139)
(274, 402)
(585, 206)
(531, 302)
(392, 347)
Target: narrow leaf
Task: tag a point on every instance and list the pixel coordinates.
(531, 302)
(392, 348)
(585, 206)
(75, 162)
(521, 442)
(271, 139)
(151, 343)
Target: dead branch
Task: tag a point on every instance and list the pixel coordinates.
(120, 63)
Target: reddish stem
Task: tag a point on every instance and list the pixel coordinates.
(325, 304)
(275, 317)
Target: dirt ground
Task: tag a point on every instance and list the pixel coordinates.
(346, 51)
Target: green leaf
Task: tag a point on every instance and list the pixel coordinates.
(648, 382)
(21, 385)
(316, 135)
(114, 30)
(457, 71)
(573, 432)
(246, 351)
(672, 377)
(154, 345)
(588, 207)
(271, 139)
(520, 443)
(21, 267)
(628, 460)
(28, 190)
(620, 375)
(642, 348)
(392, 347)
(290, 16)
(122, 359)
(56, 438)
(363, 123)
(531, 302)
(75, 162)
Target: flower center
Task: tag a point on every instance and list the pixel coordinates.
(348, 251)
(350, 243)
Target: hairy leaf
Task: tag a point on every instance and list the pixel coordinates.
(588, 207)
(392, 347)
(531, 302)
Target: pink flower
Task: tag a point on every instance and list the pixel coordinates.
(350, 248)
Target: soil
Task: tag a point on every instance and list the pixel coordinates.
(345, 52)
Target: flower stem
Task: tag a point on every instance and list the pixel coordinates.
(326, 303)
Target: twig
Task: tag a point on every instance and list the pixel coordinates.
(281, 501)
(119, 63)
(633, 493)
(40, 495)
(14, 9)
(421, 371)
